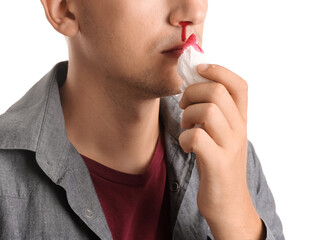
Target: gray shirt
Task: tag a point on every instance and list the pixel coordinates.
(46, 191)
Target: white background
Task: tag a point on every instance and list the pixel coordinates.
(279, 47)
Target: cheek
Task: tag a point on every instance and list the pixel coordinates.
(132, 44)
(121, 35)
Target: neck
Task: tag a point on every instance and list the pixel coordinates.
(107, 123)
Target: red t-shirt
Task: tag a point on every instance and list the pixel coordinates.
(135, 206)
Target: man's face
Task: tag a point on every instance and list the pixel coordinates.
(126, 39)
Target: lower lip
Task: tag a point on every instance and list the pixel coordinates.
(174, 53)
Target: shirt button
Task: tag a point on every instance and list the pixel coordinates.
(88, 213)
(174, 186)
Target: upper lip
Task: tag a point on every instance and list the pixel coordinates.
(177, 47)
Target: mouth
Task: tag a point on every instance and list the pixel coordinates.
(174, 52)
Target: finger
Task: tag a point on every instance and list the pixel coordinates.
(212, 119)
(237, 87)
(198, 141)
(213, 93)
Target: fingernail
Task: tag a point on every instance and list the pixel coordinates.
(202, 67)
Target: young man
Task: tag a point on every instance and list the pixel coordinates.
(97, 149)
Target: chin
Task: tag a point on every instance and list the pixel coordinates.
(158, 81)
(171, 85)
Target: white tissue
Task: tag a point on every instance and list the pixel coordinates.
(187, 69)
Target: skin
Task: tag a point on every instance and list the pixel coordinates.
(116, 76)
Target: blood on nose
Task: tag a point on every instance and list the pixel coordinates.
(183, 34)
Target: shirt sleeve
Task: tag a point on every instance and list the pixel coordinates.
(262, 197)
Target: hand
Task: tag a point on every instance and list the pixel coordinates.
(220, 146)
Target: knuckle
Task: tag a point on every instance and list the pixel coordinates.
(210, 111)
(218, 89)
(243, 85)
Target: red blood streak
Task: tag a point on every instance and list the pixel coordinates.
(192, 41)
(183, 34)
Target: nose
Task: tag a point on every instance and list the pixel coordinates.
(192, 11)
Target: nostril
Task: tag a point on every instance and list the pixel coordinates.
(183, 34)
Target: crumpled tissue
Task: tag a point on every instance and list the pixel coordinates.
(187, 66)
